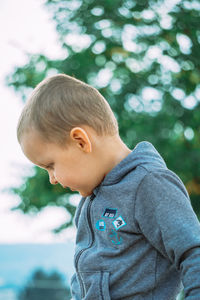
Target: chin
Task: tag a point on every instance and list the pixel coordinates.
(85, 194)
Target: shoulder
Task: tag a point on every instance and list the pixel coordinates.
(161, 179)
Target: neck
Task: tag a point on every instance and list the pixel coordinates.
(114, 151)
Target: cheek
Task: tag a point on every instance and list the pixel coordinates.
(66, 178)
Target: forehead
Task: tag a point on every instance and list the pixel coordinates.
(34, 147)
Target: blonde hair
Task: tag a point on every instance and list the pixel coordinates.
(60, 103)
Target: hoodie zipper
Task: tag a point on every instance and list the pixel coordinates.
(91, 244)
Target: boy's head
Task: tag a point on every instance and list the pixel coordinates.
(63, 128)
(60, 103)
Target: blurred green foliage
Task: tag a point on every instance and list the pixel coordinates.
(144, 57)
(45, 286)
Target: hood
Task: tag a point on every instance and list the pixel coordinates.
(143, 154)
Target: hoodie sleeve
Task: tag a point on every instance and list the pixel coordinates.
(167, 220)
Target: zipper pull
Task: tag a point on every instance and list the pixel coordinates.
(92, 197)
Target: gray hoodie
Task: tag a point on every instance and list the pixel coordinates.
(137, 235)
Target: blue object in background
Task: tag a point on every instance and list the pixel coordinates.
(19, 261)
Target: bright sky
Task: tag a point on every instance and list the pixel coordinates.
(25, 27)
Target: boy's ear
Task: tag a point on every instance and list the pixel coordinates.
(81, 138)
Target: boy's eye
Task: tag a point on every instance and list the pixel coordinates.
(50, 166)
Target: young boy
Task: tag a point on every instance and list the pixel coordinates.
(137, 235)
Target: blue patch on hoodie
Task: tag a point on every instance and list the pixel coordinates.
(110, 212)
(119, 222)
(101, 225)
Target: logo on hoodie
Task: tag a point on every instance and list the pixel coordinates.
(119, 223)
(110, 212)
(115, 238)
(101, 225)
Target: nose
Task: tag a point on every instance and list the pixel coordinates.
(52, 179)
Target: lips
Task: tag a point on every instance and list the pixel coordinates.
(67, 187)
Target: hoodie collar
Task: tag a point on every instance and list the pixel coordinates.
(144, 153)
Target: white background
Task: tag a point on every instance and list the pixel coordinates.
(25, 27)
